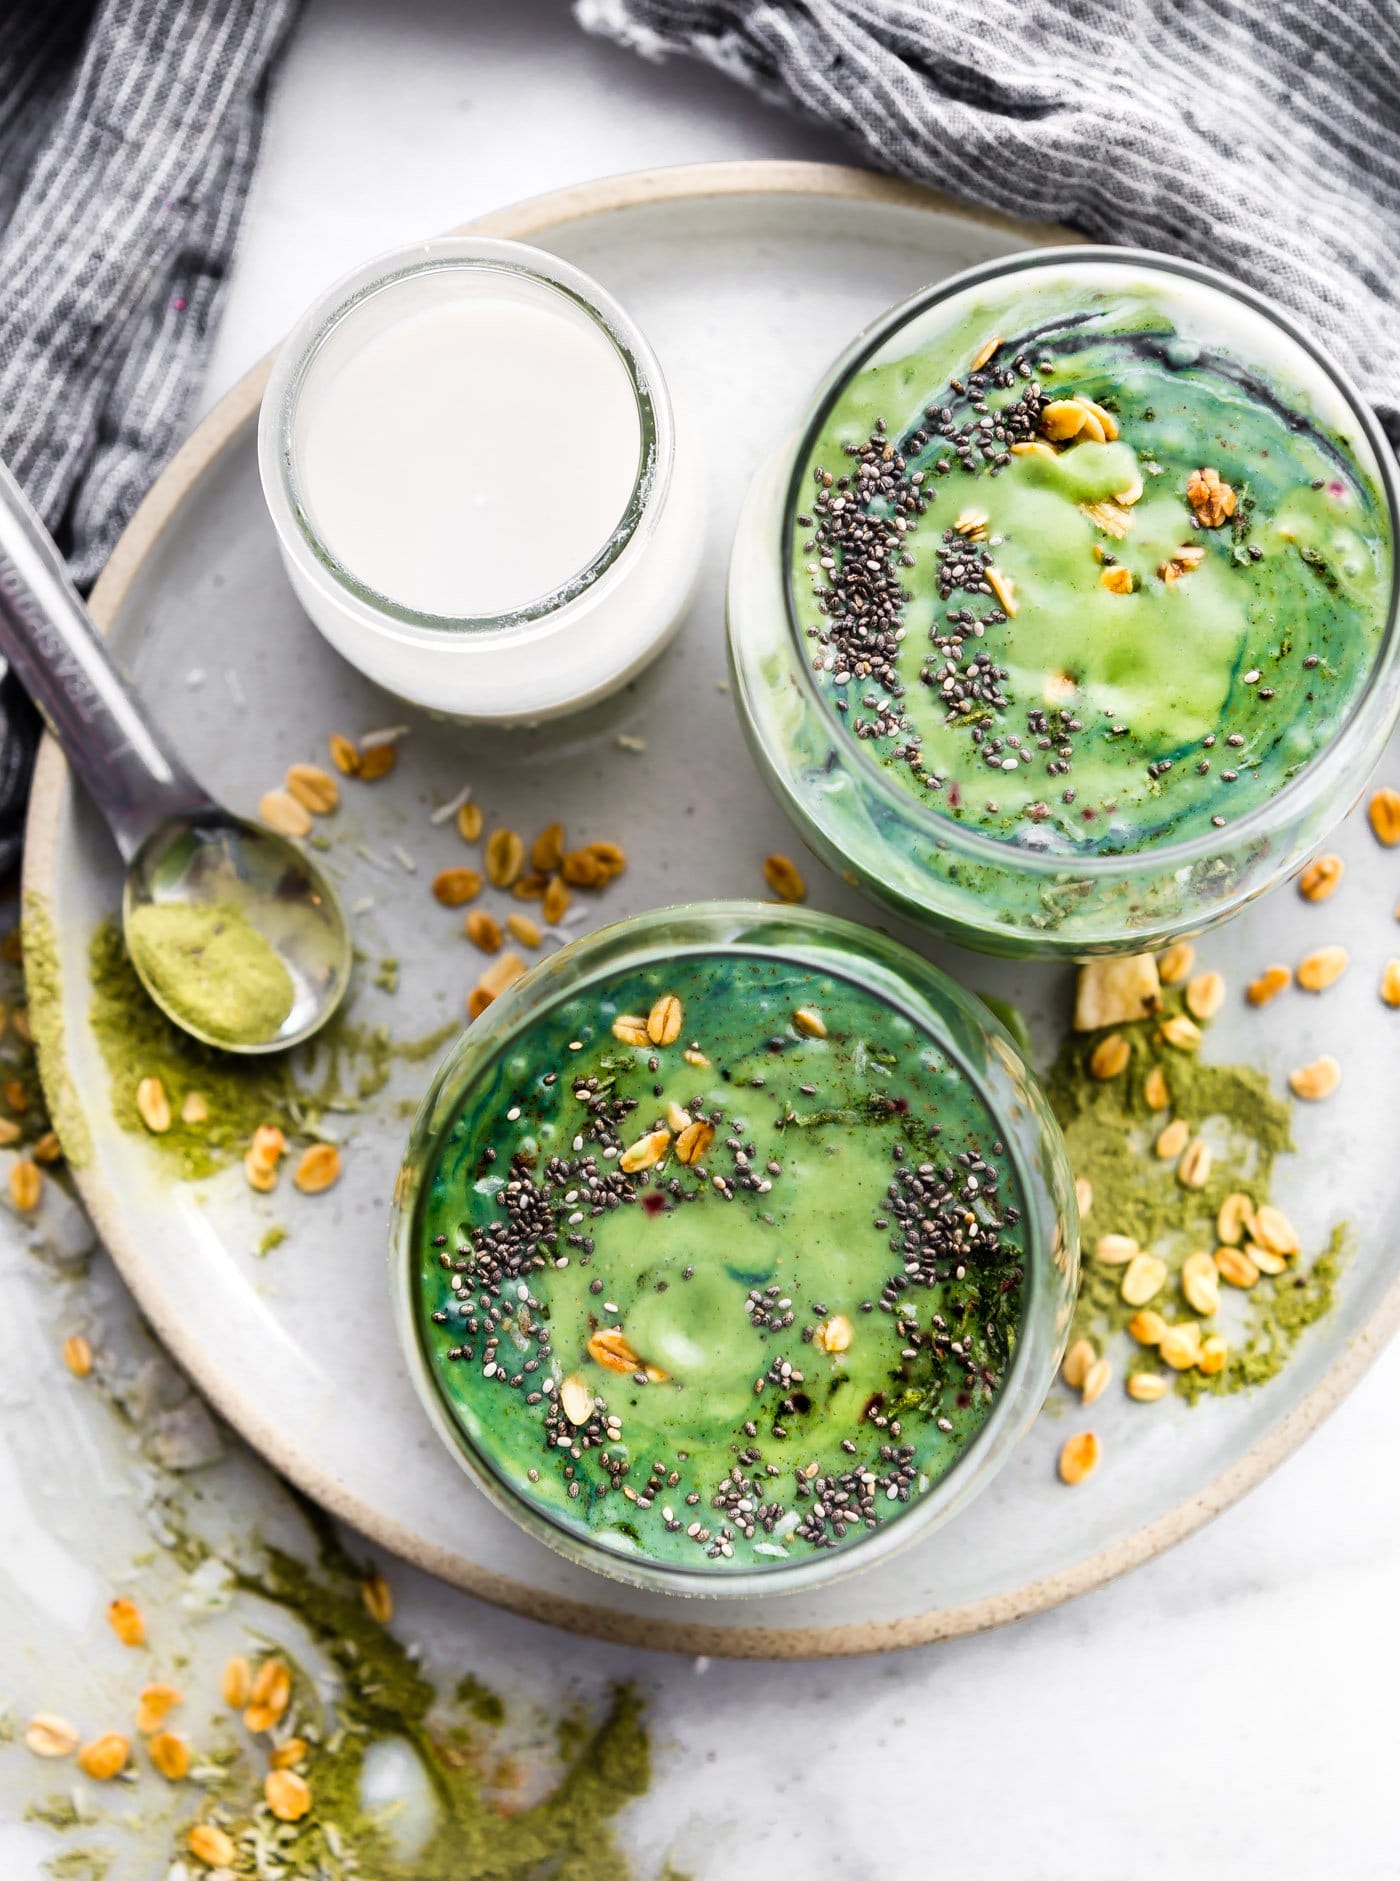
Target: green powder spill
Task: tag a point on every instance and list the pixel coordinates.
(54, 1812)
(477, 1828)
(80, 1864)
(569, 1835)
(340, 1069)
(483, 1704)
(212, 968)
(137, 1041)
(44, 993)
(1110, 1130)
(1295, 1301)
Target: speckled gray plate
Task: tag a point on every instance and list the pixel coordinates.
(748, 278)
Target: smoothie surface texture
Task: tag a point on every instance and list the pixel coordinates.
(720, 1261)
(1090, 558)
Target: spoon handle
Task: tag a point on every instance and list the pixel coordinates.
(50, 640)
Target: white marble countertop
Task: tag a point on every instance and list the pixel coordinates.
(1226, 1711)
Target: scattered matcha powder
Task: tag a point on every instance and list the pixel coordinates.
(484, 1705)
(1110, 1131)
(568, 1835)
(342, 1067)
(44, 993)
(80, 1864)
(137, 1041)
(380, 1694)
(54, 1812)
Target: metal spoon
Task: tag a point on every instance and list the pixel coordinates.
(178, 844)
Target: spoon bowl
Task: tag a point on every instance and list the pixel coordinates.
(218, 861)
(233, 931)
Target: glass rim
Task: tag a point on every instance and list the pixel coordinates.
(1317, 777)
(720, 927)
(446, 254)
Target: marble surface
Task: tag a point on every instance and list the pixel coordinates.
(1228, 1710)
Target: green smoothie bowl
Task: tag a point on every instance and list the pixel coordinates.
(734, 1247)
(1067, 622)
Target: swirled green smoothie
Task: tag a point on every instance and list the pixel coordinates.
(721, 1262)
(1091, 557)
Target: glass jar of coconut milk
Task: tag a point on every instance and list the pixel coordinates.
(469, 455)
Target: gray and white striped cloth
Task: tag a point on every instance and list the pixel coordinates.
(128, 132)
(1262, 137)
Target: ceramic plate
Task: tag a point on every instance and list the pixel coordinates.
(748, 279)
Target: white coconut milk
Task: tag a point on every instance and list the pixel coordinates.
(470, 460)
(468, 441)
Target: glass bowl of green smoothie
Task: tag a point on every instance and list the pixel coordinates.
(734, 1247)
(1066, 622)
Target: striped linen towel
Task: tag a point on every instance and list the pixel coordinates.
(1263, 139)
(128, 133)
